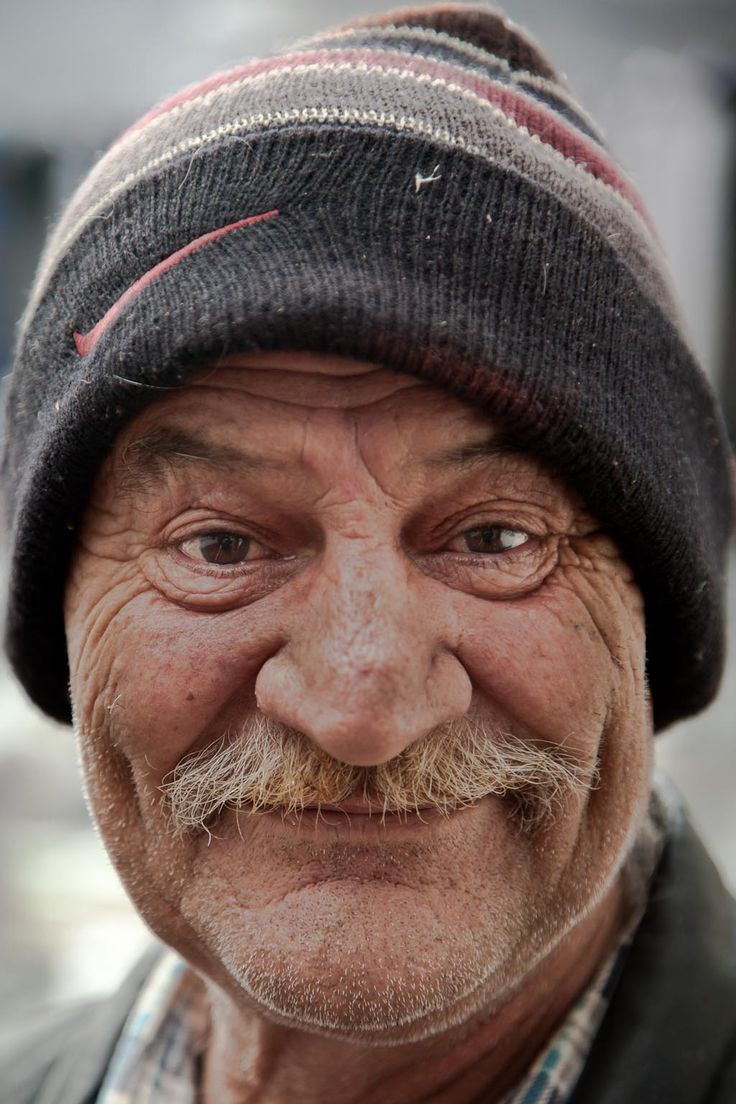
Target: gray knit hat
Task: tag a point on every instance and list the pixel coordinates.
(418, 190)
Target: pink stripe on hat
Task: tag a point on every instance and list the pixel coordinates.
(86, 342)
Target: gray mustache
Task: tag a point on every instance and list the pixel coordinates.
(267, 766)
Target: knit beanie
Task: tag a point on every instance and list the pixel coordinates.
(419, 190)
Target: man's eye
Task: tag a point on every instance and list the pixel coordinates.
(493, 539)
(217, 548)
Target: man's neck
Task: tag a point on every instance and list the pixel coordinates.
(250, 1060)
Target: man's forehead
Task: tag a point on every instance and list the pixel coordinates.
(297, 360)
(232, 412)
(310, 379)
(249, 416)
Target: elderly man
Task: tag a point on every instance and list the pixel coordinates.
(368, 517)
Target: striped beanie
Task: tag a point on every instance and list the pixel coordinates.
(419, 190)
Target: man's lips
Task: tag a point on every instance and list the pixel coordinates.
(361, 810)
(356, 806)
(370, 821)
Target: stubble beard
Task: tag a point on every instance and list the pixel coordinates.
(388, 1004)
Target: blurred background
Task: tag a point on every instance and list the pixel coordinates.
(660, 78)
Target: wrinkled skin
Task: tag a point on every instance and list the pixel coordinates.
(437, 953)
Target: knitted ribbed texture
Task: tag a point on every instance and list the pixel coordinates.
(419, 190)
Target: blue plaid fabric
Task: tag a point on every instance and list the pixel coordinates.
(157, 1055)
(551, 1079)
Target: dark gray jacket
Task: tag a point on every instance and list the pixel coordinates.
(669, 1036)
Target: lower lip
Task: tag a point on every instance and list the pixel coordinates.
(345, 818)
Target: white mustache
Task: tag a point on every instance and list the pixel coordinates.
(268, 766)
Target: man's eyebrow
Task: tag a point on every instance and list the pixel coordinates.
(175, 448)
(467, 456)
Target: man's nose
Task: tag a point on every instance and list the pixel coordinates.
(369, 665)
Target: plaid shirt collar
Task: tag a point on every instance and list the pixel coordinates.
(157, 1056)
(156, 1059)
(553, 1076)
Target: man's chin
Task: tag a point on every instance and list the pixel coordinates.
(363, 1005)
(375, 961)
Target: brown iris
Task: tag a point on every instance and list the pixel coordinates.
(493, 539)
(223, 548)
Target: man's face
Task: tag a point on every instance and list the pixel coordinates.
(355, 555)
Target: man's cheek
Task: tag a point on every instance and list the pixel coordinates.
(95, 643)
(171, 678)
(543, 664)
